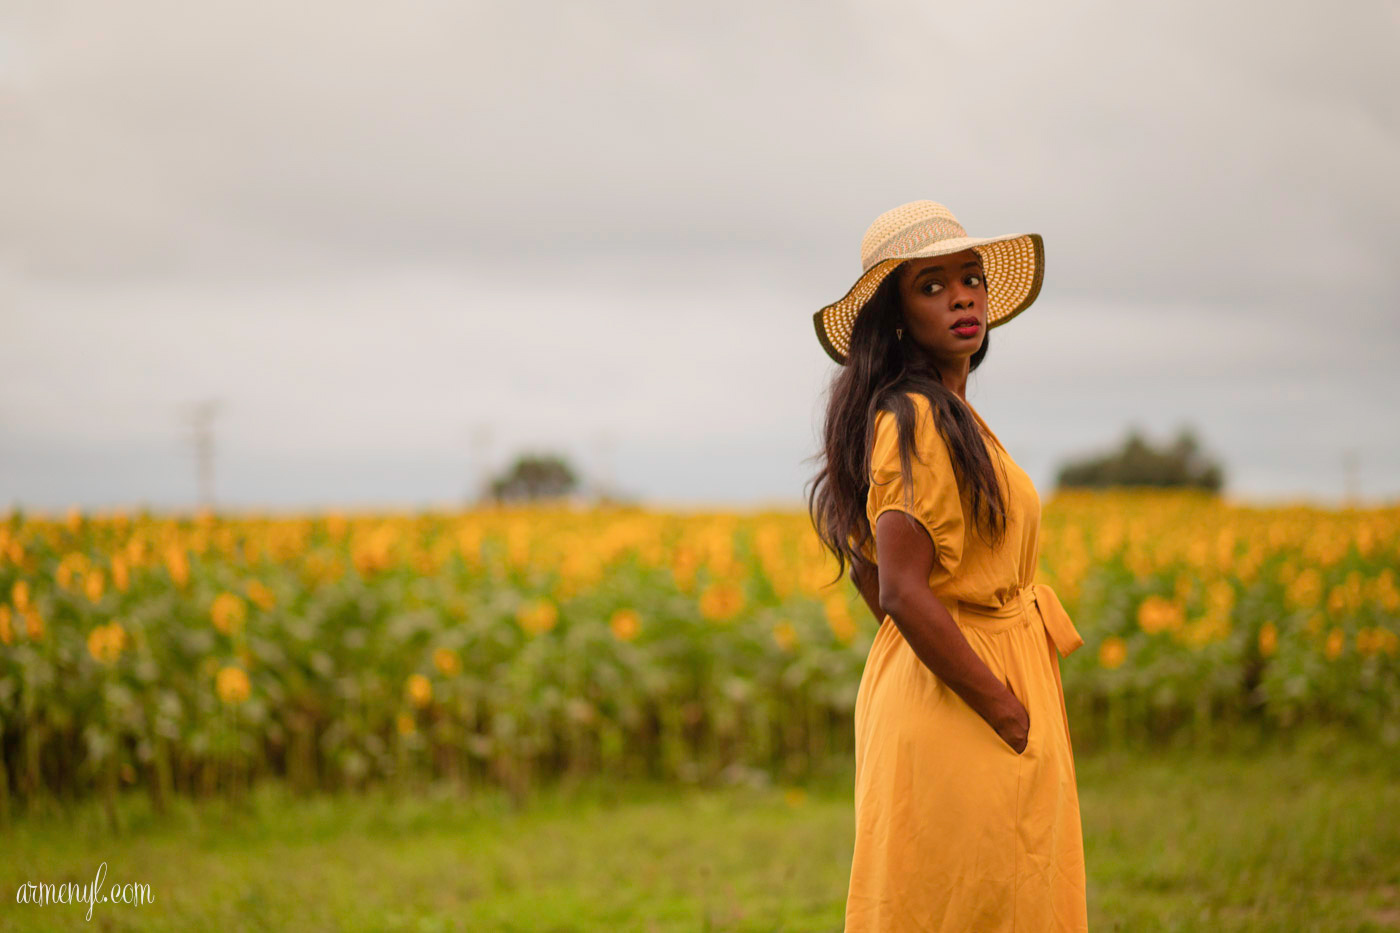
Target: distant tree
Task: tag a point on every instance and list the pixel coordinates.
(1138, 463)
(534, 476)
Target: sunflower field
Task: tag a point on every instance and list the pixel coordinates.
(196, 654)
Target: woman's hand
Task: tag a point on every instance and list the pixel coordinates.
(1015, 727)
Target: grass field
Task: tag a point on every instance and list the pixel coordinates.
(1271, 838)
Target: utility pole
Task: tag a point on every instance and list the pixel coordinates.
(1351, 463)
(200, 417)
(605, 482)
(480, 443)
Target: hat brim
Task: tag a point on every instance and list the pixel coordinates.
(1015, 268)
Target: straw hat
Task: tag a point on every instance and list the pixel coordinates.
(1014, 264)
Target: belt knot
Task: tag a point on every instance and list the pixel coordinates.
(1057, 621)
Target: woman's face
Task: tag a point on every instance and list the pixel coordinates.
(941, 295)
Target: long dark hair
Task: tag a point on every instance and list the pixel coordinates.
(879, 370)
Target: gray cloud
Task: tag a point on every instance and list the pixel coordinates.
(367, 227)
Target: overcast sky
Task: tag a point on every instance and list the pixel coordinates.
(401, 243)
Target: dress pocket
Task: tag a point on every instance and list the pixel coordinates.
(1030, 727)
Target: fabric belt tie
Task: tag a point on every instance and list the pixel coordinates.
(1057, 621)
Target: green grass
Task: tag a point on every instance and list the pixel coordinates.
(1269, 838)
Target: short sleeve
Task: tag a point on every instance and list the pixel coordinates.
(931, 496)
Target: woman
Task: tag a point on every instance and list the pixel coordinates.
(967, 812)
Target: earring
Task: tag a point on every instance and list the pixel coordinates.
(899, 333)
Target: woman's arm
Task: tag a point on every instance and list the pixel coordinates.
(902, 591)
(867, 580)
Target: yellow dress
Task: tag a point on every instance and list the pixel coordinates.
(954, 829)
